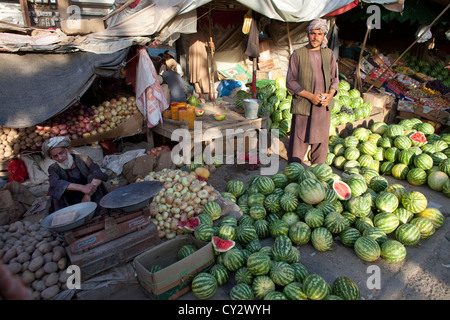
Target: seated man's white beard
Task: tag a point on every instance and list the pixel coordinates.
(68, 163)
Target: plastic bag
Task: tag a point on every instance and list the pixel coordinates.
(17, 170)
(226, 86)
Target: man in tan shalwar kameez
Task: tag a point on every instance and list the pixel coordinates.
(198, 63)
(312, 79)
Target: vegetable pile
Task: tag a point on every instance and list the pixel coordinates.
(39, 259)
(77, 122)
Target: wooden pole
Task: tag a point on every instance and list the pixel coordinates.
(407, 49)
(289, 38)
(210, 63)
(358, 83)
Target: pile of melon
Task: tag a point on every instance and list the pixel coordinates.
(409, 150)
(297, 207)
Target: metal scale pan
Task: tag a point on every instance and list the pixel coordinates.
(85, 212)
(131, 197)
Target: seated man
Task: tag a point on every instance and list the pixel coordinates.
(73, 178)
(176, 86)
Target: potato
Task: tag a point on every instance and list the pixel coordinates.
(38, 285)
(62, 263)
(36, 263)
(36, 253)
(45, 248)
(23, 257)
(50, 267)
(48, 257)
(39, 273)
(63, 276)
(25, 266)
(50, 292)
(28, 277)
(52, 279)
(11, 253)
(15, 267)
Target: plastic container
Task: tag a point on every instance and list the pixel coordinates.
(174, 109)
(251, 108)
(187, 114)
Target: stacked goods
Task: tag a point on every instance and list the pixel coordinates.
(409, 150)
(176, 208)
(436, 71)
(32, 253)
(348, 105)
(263, 272)
(77, 122)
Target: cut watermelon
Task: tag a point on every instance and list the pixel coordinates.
(221, 245)
(418, 139)
(190, 225)
(219, 116)
(199, 113)
(342, 189)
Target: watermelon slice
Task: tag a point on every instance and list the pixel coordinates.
(221, 245)
(190, 225)
(199, 113)
(342, 189)
(219, 116)
(418, 138)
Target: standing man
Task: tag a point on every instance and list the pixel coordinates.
(312, 79)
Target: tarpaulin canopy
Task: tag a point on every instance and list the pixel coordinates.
(35, 87)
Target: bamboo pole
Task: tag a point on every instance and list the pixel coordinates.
(289, 37)
(212, 91)
(407, 49)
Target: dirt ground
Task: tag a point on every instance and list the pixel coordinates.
(423, 275)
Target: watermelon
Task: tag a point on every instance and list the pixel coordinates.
(349, 236)
(424, 127)
(222, 245)
(293, 291)
(342, 189)
(321, 239)
(261, 286)
(315, 287)
(253, 246)
(258, 263)
(400, 171)
(414, 201)
(212, 209)
(425, 227)
(281, 273)
(299, 233)
(352, 153)
(418, 139)
(275, 295)
(314, 218)
(204, 232)
(311, 191)
(257, 211)
(233, 259)
(367, 249)
(394, 130)
(393, 251)
(436, 180)
(403, 215)
(190, 225)
(204, 285)
(229, 196)
(386, 221)
(379, 128)
(193, 101)
(245, 233)
(416, 176)
(265, 185)
(423, 161)
(235, 187)
(280, 179)
(288, 202)
(346, 288)
(155, 268)
(278, 227)
(376, 234)
(322, 171)
(243, 275)
(386, 202)
(220, 273)
(262, 229)
(281, 249)
(434, 215)
(408, 234)
(290, 218)
(335, 222)
(185, 251)
(242, 291)
(402, 142)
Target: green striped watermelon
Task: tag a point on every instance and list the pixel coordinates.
(220, 273)
(315, 287)
(400, 171)
(393, 251)
(281, 249)
(245, 233)
(402, 142)
(292, 170)
(414, 201)
(376, 234)
(233, 259)
(425, 227)
(407, 234)
(367, 249)
(349, 236)
(278, 227)
(322, 171)
(293, 291)
(335, 222)
(321, 239)
(275, 295)
(212, 209)
(257, 212)
(243, 275)
(204, 285)
(423, 161)
(288, 202)
(314, 218)
(417, 176)
(185, 251)
(436, 180)
(281, 273)
(386, 221)
(262, 229)
(236, 187)
(403, 215)
(261, 286)
(242, 291)
(386, 202)
(346, 288)
(311, 191)
(434, 215)
(265, 185)
(300, 233)
(258, 263)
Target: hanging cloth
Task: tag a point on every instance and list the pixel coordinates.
(252, 49)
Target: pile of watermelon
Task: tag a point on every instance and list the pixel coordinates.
(276, 99)
(260, 272)
(349, 106)
(409, 150)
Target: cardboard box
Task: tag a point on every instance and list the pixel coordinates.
(175, 278)
(377, 100)
(133, 125)
(269, 74)
(264, 51)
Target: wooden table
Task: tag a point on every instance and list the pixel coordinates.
(212, 129)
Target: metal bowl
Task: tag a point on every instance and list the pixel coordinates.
(132, 197)
(86, 211)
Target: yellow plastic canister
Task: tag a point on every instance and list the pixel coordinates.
(187, 114)
(174, 109)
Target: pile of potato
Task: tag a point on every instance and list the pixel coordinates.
(36, 256)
